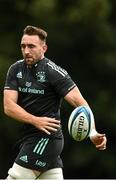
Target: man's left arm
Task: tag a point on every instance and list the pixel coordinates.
(75, 98)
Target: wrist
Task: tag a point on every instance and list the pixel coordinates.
(93, 133)
(33, 120)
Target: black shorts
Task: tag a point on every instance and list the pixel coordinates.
(40, 154)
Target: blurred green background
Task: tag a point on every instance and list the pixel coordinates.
(81, 39)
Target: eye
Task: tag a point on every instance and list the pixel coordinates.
(31, 46)
(23, 46)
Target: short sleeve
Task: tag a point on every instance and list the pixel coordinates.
(60, 79)
(11, 79)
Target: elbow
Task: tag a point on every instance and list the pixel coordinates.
(6, 110)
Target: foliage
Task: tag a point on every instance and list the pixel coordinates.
(81, 39)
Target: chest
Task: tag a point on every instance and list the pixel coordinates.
(34, 82)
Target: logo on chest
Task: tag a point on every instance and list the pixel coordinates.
(28, 84)
(41, 76)
(19, 75)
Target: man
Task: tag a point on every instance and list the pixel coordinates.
(33, 92)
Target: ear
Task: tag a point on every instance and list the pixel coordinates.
(45, 48)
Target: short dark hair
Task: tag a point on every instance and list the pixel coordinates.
(32, 30)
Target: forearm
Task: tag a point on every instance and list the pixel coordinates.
(75, 98)
(43, 123)
(14, 111)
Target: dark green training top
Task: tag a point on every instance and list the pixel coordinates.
(41, 89)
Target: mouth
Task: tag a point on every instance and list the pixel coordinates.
(28, 57)
(29, 60)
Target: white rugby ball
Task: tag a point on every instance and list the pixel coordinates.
(80, 123)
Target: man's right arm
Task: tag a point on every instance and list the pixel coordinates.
(12, 109)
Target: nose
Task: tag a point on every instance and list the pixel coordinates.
(26, 50)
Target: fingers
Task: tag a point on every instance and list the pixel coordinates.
(49, 125)
(101, 135)
(102, 145)
(53, 125)
(99, 140)
(48, 129)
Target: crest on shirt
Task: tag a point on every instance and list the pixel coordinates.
(41, 76)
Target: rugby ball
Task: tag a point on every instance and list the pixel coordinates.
(80, 123)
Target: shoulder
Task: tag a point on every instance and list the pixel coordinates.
(54, 68)
(17, 63)
(15, 67)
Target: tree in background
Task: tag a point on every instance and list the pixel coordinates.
(81, 38)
